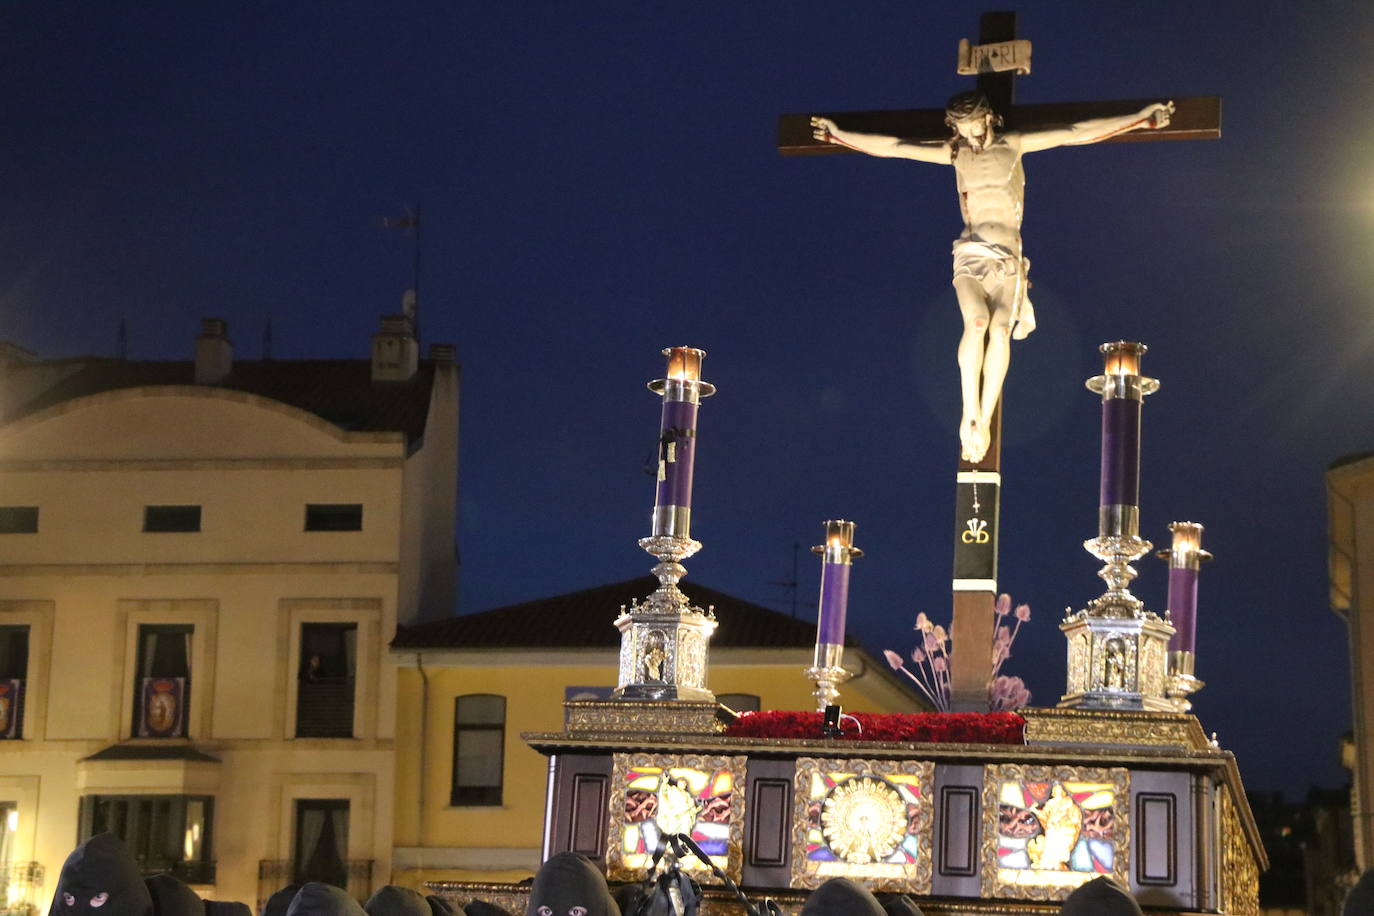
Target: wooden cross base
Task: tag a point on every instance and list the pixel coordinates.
(975, 575)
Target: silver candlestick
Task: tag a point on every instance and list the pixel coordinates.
(664, 638)
(1116, 647)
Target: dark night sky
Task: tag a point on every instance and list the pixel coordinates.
(599, 180)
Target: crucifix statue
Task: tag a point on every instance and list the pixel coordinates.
(983, 136)
(990, 270)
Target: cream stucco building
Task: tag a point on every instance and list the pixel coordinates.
(1350, 513)
(201, 564)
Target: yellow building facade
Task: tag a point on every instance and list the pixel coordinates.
(1350, 513)
(201, 565)
(470, 793)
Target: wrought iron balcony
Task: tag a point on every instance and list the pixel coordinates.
(20, 886)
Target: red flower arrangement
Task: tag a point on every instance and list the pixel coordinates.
(921, 727)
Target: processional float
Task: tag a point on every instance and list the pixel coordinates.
(966, 812)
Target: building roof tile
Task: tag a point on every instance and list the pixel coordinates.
(583, 619)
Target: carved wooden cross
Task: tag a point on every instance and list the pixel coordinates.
(1195, 118)
(979, 484)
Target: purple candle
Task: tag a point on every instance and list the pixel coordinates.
(682, 391)
(1185, 559)
(838, 553)
(677, 450)
(1123, 391)
(1120, 452)
(834, 603)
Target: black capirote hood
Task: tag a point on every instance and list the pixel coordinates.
(316, 899)
(229, 908)
(570, 885)
(1100, 897)
(100, 866)
(842, 897)
(1360, 900)
(172, 897)
(394, 900)
(280, 902)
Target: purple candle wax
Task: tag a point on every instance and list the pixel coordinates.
(679, 428)
(1120, 452)
(834, 603)
(1183, 608)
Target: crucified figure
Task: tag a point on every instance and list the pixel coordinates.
(989, 267)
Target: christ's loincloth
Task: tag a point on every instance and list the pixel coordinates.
(1003, 277)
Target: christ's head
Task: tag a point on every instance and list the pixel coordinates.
(972, 118)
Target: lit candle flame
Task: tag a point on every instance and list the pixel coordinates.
(839, 533)
(1122, 357)
(684, 363)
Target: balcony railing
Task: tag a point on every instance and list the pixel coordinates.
(274, 874)
(190, 872)
(324, 708)
(20, 887)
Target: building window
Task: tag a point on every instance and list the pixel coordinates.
(334, 517)
(479, 741)
(321, 847)
(162, 681)
(173, 833)
(14, 673)
(11, 900)
(171, 518)
(18, 519)
(739, 702)
(324, 695)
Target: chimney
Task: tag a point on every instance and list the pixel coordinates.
(395, 351)
(214, 352)
(443, 353)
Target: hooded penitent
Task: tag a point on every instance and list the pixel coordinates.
(316, 899)
(628, 897)
(482, 908)
(439, 906)
(1360, 901)
(899, 905)
(280, 902)
(842, 897)
(570, 885)
(1100, 897)
(101, 878)
(172, 897)
(230, 908)
(394, 900)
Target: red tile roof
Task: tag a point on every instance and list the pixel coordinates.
(585, 620)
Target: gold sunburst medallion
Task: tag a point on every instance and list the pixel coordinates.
(863, 820)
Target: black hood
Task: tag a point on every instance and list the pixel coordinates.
(628, 897)
(228, 908)
(1100, 897)
(842, 897)
(101, 865)
(172, 897)
(394, 900)
(439, 906)
(316, 899)
(483, 908)
(566, 881)
(1360, 901)
(899, 905)
(280, 902)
